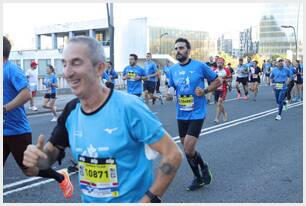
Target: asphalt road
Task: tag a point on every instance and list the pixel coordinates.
(253, 158)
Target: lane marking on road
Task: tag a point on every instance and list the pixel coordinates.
(176, 139)
(32, 185)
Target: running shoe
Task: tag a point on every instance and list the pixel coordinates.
(278, 117)
(238, 96)
(225, 117)
(245, 97)
(54, 119)
(206, 175)
(196, 183)
(33, 108)
(161, 100)
(66, 186)
(216, 121)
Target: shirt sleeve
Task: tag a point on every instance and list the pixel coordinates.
(143, 124)
(18, 79)
(171, 82)
(59, 135)
(54, 80)
(208, 73)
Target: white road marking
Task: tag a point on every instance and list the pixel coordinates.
(240, 122)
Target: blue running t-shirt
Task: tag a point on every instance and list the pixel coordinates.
(109, 146)
(14, 80)
(185, 79)
(134, 86)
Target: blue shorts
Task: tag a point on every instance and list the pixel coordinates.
(150, 86)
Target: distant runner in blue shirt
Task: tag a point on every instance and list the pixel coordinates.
(112, 75)
(187, 79)
(242, 78)
(281, 77)
(292, 69)
(113, 136)
(134, 75)
(149, 84)
(50, 82)
(166, 72)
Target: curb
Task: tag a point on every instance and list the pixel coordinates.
(41, 112)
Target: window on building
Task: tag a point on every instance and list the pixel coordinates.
(42, 66)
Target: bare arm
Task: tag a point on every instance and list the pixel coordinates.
(22, 97)
(170, 162)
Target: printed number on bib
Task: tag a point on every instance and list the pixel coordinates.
(186, 102)
(98, 177)
(279, 85)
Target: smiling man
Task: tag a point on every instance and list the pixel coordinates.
(108, 132)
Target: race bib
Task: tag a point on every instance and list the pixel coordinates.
(279, 85)
(131, 75)
(186, 102)
(98, 177)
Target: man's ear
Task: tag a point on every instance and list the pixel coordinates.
(101, 68)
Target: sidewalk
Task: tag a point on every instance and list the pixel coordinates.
(62, 98)
(61, 101)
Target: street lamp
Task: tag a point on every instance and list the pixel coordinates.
(286, 27)
(160, 38)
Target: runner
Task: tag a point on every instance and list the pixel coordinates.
(225, 77)
(299, 80)
(187, 79)
(17, 133)
(50, 82)
(255, 79)
(292, 70)
(281, 78)
(166, 72)
(268, 69)
(149, 84)
(134, 75)
(242, 77)
(32, 75)
(109, 133)
(248, 65)
(229, 84)
(112, 75)
(213, 65)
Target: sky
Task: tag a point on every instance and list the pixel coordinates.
(20, 19)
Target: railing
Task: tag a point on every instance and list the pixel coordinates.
(62, 84)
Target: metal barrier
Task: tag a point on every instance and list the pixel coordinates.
(62, 83)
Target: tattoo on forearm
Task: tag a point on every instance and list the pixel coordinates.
(167, 169)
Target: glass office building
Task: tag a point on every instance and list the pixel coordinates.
(162, 39)
(272, 37)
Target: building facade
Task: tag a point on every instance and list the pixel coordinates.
(274, 39)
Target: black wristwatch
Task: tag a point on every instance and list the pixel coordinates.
(153, 198)
(206, 91)
(4, 110)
